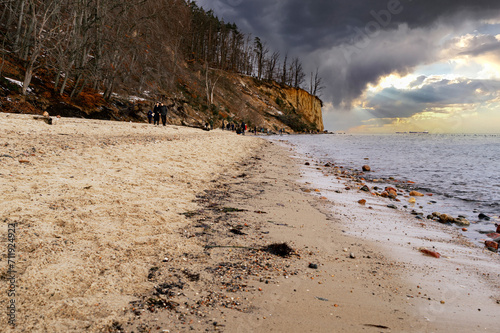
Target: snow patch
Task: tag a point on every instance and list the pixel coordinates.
(19, 83)
(136, 98)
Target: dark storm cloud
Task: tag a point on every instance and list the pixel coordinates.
(354, 42)
(393, 102)
(313, 23)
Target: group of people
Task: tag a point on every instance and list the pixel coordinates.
(160, 110)
(232, 127)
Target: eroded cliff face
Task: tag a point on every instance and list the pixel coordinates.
(279, 100)
(261, 104)
(307, 105)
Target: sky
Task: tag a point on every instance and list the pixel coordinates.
(388, 65)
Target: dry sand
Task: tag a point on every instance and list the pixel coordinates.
(95, 203)
(130, 227)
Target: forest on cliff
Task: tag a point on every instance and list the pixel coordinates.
(88, 52)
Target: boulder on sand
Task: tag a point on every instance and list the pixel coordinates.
(445, 218)
(366, 168)
(491, 245)
(416, 194)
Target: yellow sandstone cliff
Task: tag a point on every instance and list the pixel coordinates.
(307, 105)
(277, 100)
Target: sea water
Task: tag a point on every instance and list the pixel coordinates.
(462, 172)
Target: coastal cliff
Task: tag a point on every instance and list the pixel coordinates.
(305, 104)
(262, 104)
(206, 70)
(278, 106)
(235, 98)
(265, 105)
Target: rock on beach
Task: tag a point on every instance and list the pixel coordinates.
(491, 245)
(445, 218)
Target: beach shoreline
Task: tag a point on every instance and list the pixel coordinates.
(175, 233)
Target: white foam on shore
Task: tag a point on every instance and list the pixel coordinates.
(459, 290)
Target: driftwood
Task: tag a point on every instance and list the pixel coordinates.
(48, 120)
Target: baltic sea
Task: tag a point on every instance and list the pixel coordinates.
(462, 172)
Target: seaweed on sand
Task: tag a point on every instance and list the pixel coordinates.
(279, 249)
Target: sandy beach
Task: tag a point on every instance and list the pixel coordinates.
(126, 227)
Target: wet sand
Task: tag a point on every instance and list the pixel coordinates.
(126, 227)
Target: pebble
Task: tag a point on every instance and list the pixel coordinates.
(483, 217)
(365, 188)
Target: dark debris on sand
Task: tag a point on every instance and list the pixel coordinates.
(233, 261)
(279, 249)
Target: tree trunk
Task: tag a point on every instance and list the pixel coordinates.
(19, 24)
(63, 85)
(27, 77)
(56, 81)
(81, 88)
(75, 86)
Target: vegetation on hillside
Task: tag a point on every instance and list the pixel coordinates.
(85, 53)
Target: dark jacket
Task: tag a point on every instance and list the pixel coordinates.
(163, 110)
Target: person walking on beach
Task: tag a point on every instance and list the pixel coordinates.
(163, 113)
(156, 114)
(243, 126)
(150, 116)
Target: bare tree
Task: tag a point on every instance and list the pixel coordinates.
(260, 55)
(210, 84)
(297, 72)
(271, 66)
(40, 34)
(284, 77)
(316, 85)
